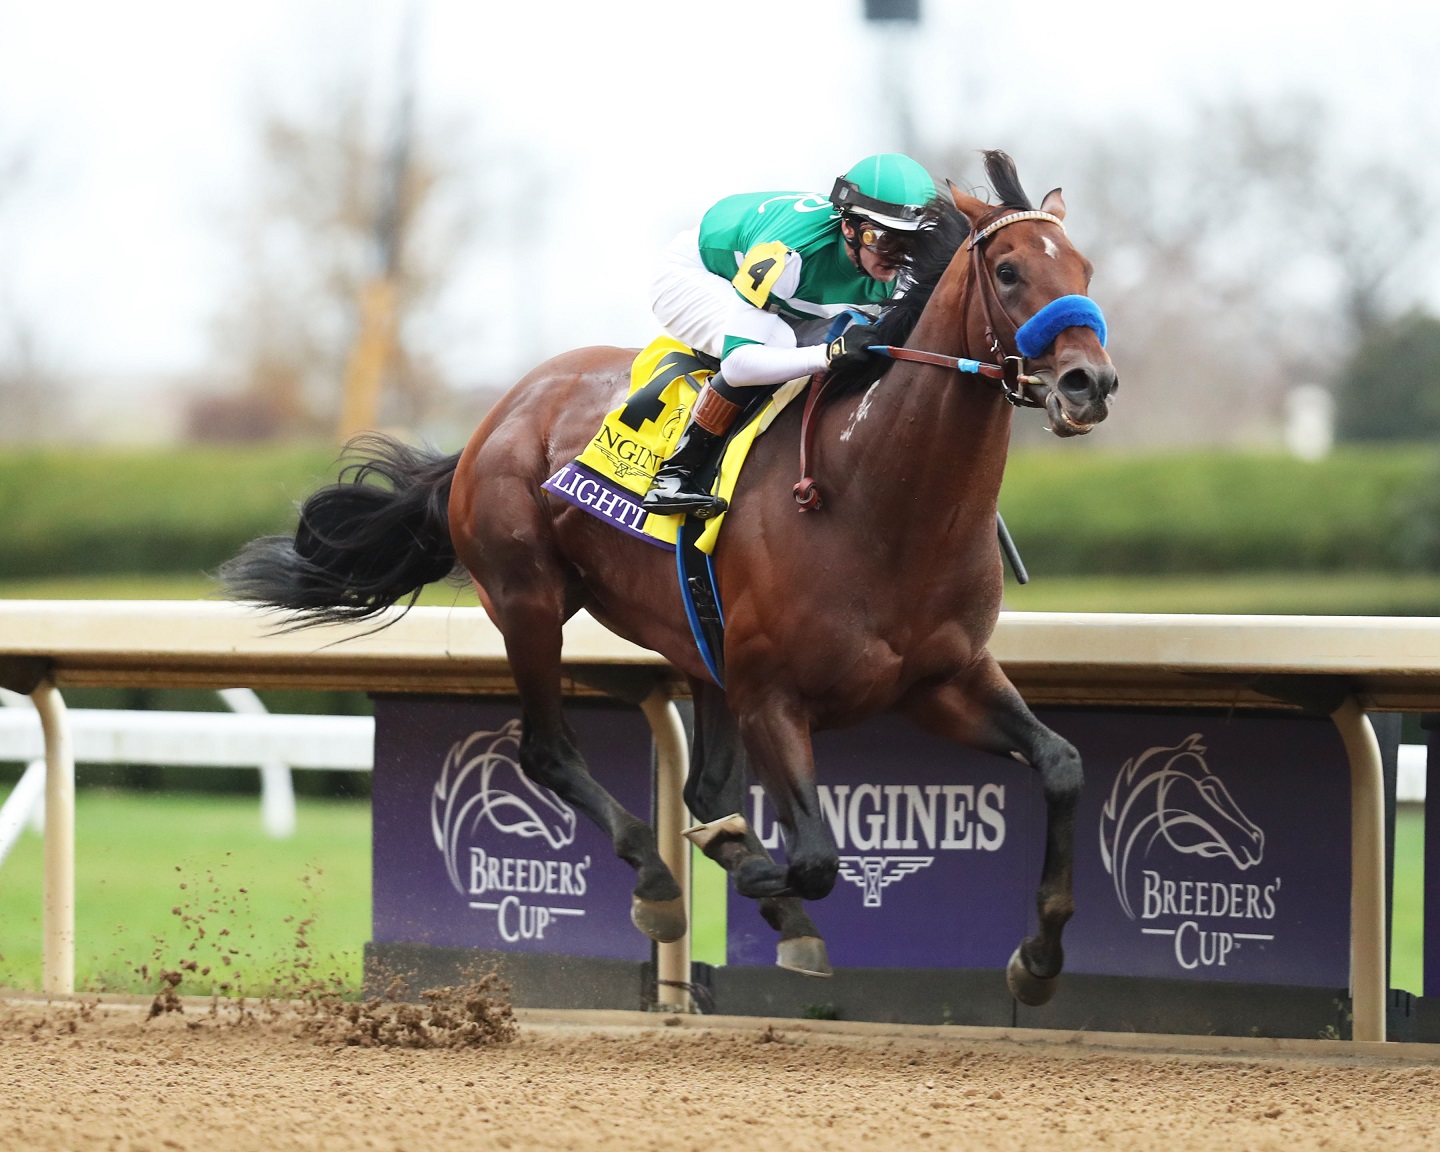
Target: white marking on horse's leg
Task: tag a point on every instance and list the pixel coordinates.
(702, 834)
(1051, 248)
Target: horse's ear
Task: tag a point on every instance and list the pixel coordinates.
(1054, 203)
(971, 208)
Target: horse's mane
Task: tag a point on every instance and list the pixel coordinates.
(941, 233)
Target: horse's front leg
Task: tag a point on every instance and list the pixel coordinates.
(982, 709)
(776, 733)
(715, 795)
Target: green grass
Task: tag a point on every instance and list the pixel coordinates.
(177, 510)
(135, 850)
(708, 893)
(1309, 593)
(160, 586)
(1304, 593)
(1408, 929)
(1073, 510)
(1094, 511)
(139, 856)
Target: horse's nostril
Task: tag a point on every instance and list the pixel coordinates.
(1078, 383)
(1085, 383)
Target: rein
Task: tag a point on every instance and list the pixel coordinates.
(1012, 381)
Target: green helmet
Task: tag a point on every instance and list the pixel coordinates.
(888, 188)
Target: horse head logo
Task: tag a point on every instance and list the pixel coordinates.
(1170, 795)
(481, 781)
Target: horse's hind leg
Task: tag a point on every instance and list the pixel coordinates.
(983, 709)
(529, 607)
(715, 793)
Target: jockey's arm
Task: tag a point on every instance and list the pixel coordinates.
(759, 346)
(760, 349)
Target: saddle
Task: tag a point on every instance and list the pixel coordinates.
(611, 476)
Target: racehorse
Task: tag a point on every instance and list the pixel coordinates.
(882, 599)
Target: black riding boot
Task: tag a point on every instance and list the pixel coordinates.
(681, 485)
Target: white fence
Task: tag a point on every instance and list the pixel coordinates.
(1345, 666)
(246, 737)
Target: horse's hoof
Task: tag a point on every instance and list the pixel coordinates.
(1025, 986)
(758, 878)
(804, 954)
(812, 879)
(661, 920)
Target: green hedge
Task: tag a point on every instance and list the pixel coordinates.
(82, 512)
(1072, 510)
(1094, 512)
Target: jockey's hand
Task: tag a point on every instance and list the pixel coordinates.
(851, 348)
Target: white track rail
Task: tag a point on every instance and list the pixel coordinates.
(1350, 664)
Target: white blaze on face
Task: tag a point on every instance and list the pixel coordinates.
(1051, 248)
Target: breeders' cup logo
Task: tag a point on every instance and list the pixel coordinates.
(483, 790)
(1167, 803)
(883, 818)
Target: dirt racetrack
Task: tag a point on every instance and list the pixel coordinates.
(108, 1078)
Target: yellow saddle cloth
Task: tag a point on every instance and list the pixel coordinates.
(611, 476)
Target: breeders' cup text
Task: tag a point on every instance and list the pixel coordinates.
(515, 920)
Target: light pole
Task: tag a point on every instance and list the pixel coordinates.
(896, 23)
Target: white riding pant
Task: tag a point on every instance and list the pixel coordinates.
(700, 309)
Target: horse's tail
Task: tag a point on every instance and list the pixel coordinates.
(360, 546)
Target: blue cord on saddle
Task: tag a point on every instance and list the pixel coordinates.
(1039, 332)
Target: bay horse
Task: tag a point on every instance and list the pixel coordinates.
(882, 600)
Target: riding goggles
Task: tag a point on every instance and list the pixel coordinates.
(891, 245)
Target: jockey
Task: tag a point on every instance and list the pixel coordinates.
(757, 286)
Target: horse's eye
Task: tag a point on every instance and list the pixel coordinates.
(1007, 274)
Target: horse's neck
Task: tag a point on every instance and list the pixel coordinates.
(931, 443)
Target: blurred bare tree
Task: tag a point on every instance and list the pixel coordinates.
(33, 395)
(306, 240)
(1236, 255)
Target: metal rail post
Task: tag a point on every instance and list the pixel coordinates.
(59, 921)
(1369, 977)
(673, 757)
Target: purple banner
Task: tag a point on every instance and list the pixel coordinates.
(468, 852)
(1211, 848)
(603, 499)
(936, 842)
(1195, 850)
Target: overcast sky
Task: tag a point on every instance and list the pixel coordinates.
(140, 118)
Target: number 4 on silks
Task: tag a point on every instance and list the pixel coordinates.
(760, 271)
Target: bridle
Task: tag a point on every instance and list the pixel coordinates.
(1013, 380)
(1008, 370)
